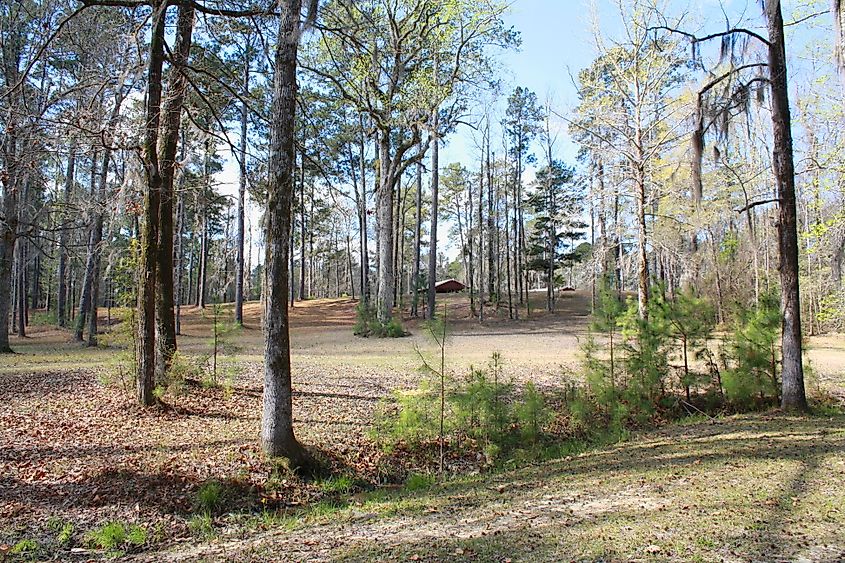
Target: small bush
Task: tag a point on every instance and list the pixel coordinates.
(531, 413)
(24, 546)
(367, 324)
(419, 482)
(64, 531)
(42, 318)
(115, 536)
(480, 415)
(209, 498)
(202, 526)
(754, 354)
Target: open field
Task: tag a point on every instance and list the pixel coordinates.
(76, 450)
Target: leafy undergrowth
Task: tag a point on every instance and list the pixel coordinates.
(78, 455)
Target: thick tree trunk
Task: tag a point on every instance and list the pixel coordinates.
(152, 199)
(277, 435)
(793, 394)
(384, 209)
(171, 121)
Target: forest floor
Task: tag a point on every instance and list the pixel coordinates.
(76, 453)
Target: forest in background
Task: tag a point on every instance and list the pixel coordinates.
(702, 215)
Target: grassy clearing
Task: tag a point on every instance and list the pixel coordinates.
(737, 489)
(694, 491)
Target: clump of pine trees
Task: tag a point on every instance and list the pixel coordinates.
(641, 369)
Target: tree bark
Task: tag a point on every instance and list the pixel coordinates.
(179, 246)
(384, 205)
(415, 285)
(277, 434)
(239, 272)
(793, 396)
(152, 200)
(171, 121)
(90, 259)
(435, 187)
(61, 274)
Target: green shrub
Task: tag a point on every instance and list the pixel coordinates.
(64, 531)
(115, 536)
(42, 318)
(24, 546)
(415, 418)
(209, 497)
(480, 409)
(367, 324)
(202, 526)
(419, 482)
(485, 416)
(753, 353)
(531, 413)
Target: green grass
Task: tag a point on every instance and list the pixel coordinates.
(115, 536)
(337, 485)
(208, 498)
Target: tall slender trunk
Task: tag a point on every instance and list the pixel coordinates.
(179, 246)
(277, 434)
(202, 280)
(362, 216)
(492, 271)
(90, 258)
(97, 230)
(239, 271)
(508, 253)
(481, 237)
(152, 200)
(350, 274)
(20, 287)
(642, 256)
(61, 274)
(302, 225)
(435, 187)
(793, 393)
(401, 249)
(415, 285)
